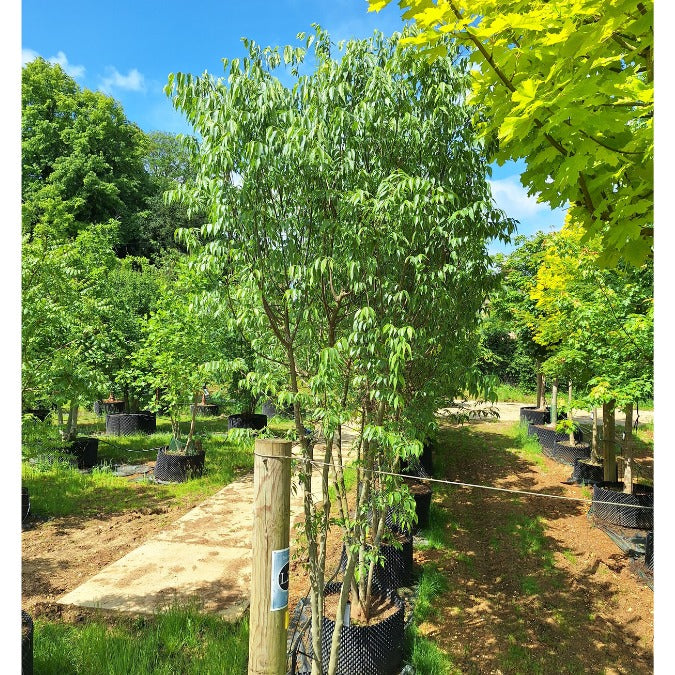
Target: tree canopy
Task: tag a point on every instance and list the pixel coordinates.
(81, 157)
(346, 230)
(569, 87)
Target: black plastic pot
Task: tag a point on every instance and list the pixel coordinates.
(649, 551)
(365, 650)
(25, 504)
(40, 413)
(586, 473)
(125, 424)
(422, 494)
(205, 409)
(247, 421)
(565, 453)
(548, 437)
(427, 458)
(108, 407)
(86, 451)
(270, 409)
(532, 415)
(397, 569)
(26, 644)
(614, 506)
(176, 468)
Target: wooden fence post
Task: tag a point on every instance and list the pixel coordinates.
(269, 570)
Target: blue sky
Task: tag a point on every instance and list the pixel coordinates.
(127, 49)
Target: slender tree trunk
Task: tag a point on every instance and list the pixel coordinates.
(628, 450)
(540, 387)
(569, 412)
(554, 402)
(609, 449)
(543, 391)
(126, 399)
(71, 431)
(60, 416)
(595, 454)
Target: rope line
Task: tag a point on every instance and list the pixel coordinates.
(450, 482)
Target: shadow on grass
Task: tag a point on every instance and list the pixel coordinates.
(509, 608)
(65, 491)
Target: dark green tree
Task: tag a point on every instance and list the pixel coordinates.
(80, 155)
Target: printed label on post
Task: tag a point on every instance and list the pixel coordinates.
(279, 578)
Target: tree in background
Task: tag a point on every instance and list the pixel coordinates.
(508, 349)
(81, 157)
(569, 87)
(168, 164)
(599, 324)
(66, 338)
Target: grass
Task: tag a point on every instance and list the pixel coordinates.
(508, 393)
(423, 654)
(178, 640)
(61, 490)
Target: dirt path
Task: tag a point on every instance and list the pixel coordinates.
(534, 587)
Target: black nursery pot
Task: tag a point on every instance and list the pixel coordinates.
(171, 468)
(649, 551)
(530, 414)
(206, 409)
(25, 504)
(247, 421)
(375, 649)
(125, 424)
(586, 473)
(26, 644)
(86, 451)
(568, 454)
(621, 507)
(398, 564)
(40, 413)
(549, 437)
(422, 494)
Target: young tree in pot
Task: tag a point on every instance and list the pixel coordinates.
(325, 258)
(66, 339)
(606, 315)
(179, 352)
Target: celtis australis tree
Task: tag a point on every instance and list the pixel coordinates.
(348, 216)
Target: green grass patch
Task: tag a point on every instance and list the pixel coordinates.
(528, 447)
(179, 640)
(61, 490)
(510, 394)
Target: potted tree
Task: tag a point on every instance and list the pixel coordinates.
(179, 352)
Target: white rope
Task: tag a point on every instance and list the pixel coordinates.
(453, 483)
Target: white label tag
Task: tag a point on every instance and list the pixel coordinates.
(279, 579)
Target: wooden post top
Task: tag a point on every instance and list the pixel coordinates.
(273, 446)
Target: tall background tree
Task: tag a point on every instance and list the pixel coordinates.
(568, 87)
(79, 152)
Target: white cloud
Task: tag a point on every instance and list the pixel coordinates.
(512, 198)
(69, 68)
(28, 55)
(132, 81)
